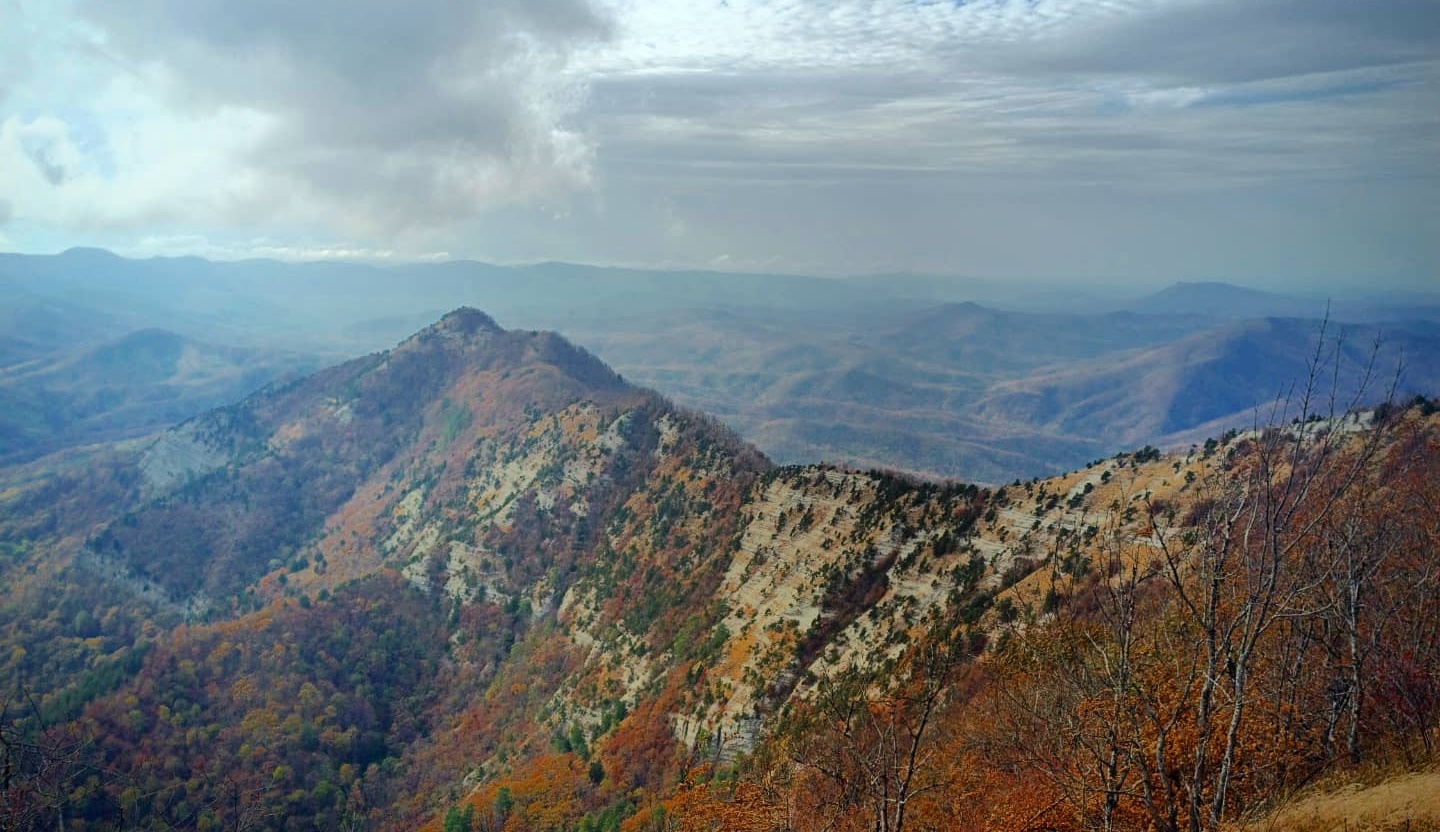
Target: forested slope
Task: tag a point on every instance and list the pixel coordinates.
(479, 581)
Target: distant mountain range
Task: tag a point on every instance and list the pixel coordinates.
(898, 371)
(1223, 300)
(1231, 376)
(990, 395)
(130, 386)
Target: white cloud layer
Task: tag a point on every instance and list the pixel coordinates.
(368, 116)
(1154, 139)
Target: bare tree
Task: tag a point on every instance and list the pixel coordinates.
(871, 735)
(1234, 570)
(39, 768)
(1375, 581)
(1143, 700)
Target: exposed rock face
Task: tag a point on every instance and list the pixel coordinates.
(510, 470)
(179, 454)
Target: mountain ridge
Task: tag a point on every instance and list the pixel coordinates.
(788, 361)
(481, 561)
(1214, 379)
(126, 387)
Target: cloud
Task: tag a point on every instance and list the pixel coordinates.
(1100, 137)
(149, 167)
(381, 113)
(264, 247)
(1242, 41)
(42, 154)
(1076, 91)
(1204, 138)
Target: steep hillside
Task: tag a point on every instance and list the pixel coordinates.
(32, 326)
(133, 385)
(478, 581)
(1212, 380)
(465, 482)
(268, 473)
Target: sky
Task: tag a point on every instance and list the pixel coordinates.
(1270, 142)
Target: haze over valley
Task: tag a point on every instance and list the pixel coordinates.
(889, 372)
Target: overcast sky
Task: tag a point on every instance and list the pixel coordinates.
(1272, 142)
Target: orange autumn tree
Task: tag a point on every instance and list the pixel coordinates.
(702, 806)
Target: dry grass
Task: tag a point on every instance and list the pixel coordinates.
(1406, 803)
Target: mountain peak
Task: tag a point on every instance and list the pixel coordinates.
(463, 326)
(1225, 300)
(466, 320)
(467, 340)
(1205, 288)
(90, 253)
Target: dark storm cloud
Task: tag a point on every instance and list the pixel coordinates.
(400, 112)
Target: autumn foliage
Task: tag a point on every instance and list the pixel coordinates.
(1220, 655)
(478, 585)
